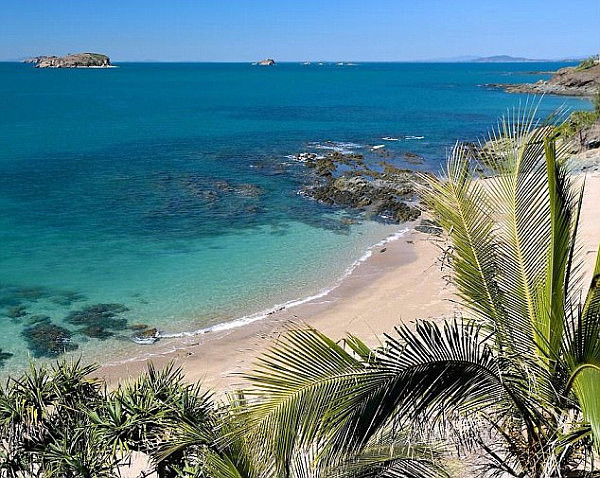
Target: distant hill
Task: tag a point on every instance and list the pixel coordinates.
(491, 59)
(506, 59)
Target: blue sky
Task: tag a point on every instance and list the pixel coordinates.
(294, 30)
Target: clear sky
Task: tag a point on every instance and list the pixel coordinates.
(294, 30)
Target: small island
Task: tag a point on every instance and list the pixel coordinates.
(76, 60)
(266, 62)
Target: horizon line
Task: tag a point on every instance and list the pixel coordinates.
(441, 60)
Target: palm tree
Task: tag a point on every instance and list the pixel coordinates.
(235, 448)
(517, 378)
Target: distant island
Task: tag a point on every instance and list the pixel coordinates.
(76, 60)
(497, 59)
(266, 62)
(507, 59)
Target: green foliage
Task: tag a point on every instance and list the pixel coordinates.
(517, 378)
(587, 63)
(578, 121)
(55, 421)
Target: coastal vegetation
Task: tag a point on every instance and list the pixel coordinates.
(580, 80)
(588, 63)
(514, 379)
(575, 129)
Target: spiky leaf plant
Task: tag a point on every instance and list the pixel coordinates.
(517, 378)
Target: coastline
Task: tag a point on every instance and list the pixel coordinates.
(400, 281)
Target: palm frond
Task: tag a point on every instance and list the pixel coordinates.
(462, 207)
(291, 386)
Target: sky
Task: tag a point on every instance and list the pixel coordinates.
(298, 30)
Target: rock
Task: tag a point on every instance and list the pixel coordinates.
(48, 340)
(4, 356)
(266, 62)
(305, 157)
(571, 81)
(32, 294)
(591, 136)
(37, 319)
(66, 298)
(16, 311)
(413, 158)
(248, 190)
(146, 337)
(382, 194)
(429, 227)
(100, 315)
(77, 60)
(96, 332)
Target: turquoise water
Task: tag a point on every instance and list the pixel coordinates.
(166, 187)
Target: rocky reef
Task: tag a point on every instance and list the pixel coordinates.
(346, 180)
(99, 321)
(572, 81)
(4, 356)
(45, 339)
(76, 60)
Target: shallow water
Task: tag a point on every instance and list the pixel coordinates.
(166, 187)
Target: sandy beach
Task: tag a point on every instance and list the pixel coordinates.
(402, 281)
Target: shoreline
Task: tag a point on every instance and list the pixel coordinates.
(216, 357)
(292, 303)
(400, 282)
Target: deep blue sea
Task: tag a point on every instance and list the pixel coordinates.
(167, 188)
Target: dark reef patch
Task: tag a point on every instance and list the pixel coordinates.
(4, 356)
(99, 317)
(48, 340)
(16, 311)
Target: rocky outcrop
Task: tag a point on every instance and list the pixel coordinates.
(345, 180)
(266, 62)
(77, 60)
(571, 81)
(590, 137)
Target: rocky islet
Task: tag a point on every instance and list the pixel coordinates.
(75, 60)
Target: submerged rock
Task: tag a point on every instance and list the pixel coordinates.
(48, 340)
(4, 356)
(16, 311)
(67, 298)
(32, 294)
(96, 332)
(36, 319)
(104, 315)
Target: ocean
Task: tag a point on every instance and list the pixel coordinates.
(166, 194)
